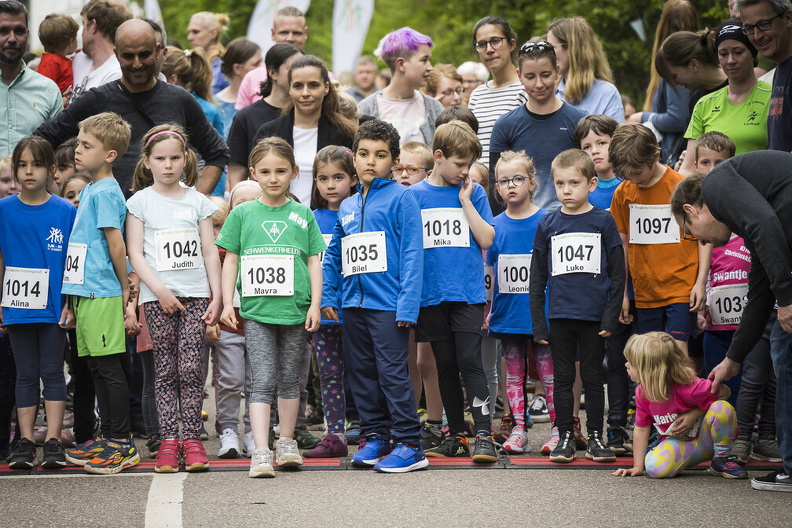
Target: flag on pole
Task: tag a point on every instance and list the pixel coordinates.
(260, 24)
(351, 20)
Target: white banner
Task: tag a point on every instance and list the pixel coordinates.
(350, 25)
(260, 25)
(152, 10)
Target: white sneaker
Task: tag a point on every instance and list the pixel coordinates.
(229, 444)
(261, 463)
(517, 441)
(248, 445)
(287, 454)
(551, 444)
(538, 410)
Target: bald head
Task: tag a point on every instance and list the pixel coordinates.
(137, 51)
(135, 29)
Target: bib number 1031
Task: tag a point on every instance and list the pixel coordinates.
(267, 275)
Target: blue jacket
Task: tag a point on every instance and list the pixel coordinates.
(392, 208)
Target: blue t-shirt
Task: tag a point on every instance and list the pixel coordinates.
(511, 312)
(602, 98)
(580, 296)
(36, 237)
(451, 273)
(102, 204)
(602, 196)
(541, 139)
(779, 118)
(327, 220)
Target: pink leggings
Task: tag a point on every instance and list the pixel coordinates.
(516, 348)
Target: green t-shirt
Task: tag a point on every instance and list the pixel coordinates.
(745, 124)
(273, 244)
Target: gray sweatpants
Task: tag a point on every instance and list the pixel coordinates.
(230, 378)
(275, 353)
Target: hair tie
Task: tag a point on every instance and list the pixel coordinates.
(161, 132)
(187, 53)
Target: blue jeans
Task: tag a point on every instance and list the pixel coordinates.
(781, 351)
(716, 344)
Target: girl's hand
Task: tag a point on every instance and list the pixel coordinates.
(685, 422)
(466, 190)
(605, 333)
(403, 324)
(170, 304)
(66, 318)
(212, 313)
(330, 313)
(698, 297)
(542, 341)
(313, 319)
(213, 332)
(228, 317)
(625, 317)
(631, 472)
(131, 324)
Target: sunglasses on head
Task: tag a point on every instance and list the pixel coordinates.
(539, 45)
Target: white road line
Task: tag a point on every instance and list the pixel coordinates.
(164, 506)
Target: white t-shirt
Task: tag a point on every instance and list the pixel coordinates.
(305, 147)
(171, 226)
(488, 104)
(406, 116)
(85, 79)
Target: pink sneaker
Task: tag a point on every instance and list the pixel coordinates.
(194, 455)
(330, 446)
(168, 457)
(551, 444)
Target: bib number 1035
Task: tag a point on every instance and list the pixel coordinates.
(267, 275)
(364, 253)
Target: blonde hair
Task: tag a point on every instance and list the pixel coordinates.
(633, 146)
(275, 145)
(587, 60)
(574, 159)
(523, 159)
(110, 129)
(660, 364)
(484, 171)
(420, 149)
(193, 70)
(7, 162)
(218, 21)
(143, 177)
(456, 138)
(223, 208)
(437, 74)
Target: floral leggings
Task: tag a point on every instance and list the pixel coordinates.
(330, 360)
(516, 349)
(178, 340)
(717, 433)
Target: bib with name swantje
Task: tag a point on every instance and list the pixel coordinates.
(514, 273)
(726, 303)
(652, 224)
(75, 264)
(26, 288)
(267, 275)
(577, 253)
(364, 253)
(445, 227)
(178, 249)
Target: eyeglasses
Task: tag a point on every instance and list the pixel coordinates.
(762, 25)
(450, 92)
(685, 234)
(412, 170)
(539, 45)
(495, 42)
(517, 181)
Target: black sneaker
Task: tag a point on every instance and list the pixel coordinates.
(24, 456)
(54, 456)
(451, 446)
(315, 418)
(153, 445)
(596, 449)
(774, 481)
(619, 441)
(484, 450)
(431, 437)
(564, 452)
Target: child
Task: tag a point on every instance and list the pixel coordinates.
(457, 225)
(479, 174)
(272, 246)
(668, 273)
(711, 149)
(408, 54)
(170, 235)
(695, 425)
(509, 320)
(377, 245)
(34, 233)
(578, 258)
(96, 279)
(593, 135)
(415, 163)
(334, 182)
(8, 182)
(73, 186)
(458, 113)
(64, 162)
(58, 35)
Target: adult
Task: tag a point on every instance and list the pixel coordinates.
(751, 196)
(586, 78)
(445, 85)
(27, 99)
(97, 64)
(543, 127)
(738, 110)
(144, 102)
(313, 121)
(666, 108)
(495, 42)
(474, 74)
(246, 122)
(768, 24)
(364, 78)
(204, 31)
(288, 26)
(241, 57)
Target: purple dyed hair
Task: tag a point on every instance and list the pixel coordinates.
(403, 42)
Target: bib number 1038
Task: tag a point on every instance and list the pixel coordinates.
(267, 275)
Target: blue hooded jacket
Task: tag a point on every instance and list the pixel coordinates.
(388, 207)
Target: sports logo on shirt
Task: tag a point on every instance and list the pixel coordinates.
(55, 239)
(274, 229)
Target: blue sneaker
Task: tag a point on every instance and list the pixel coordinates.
(374, 449)
(727, 467)
(402, 459)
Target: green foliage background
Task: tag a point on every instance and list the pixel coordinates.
(450, 24)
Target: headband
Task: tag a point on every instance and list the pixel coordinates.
(732, 30)
(161, 132)
(242, 184)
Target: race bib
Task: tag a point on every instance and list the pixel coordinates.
(445, 227)
(26, 288)
(364, 253)
(327, 239)
(75, 264)
(726, 303)
(178, 249)
(267, 275)
(576, 253)
(652, 224)
(514, 273)
(489, 276)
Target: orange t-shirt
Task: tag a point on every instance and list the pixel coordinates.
(662, 273)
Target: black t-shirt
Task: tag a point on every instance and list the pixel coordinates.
(244, 127)
(701, 92)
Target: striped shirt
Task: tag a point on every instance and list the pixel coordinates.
(488, 104)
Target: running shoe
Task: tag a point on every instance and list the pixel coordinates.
(766, 450)
(229, 444)
(596, 449)
(113, 459)
(619, 441)
(506, 426)
(551, 443)
(538, 409)
(54, 457)
(580, 441)
(330, 446)
(24, 456)
(248, 445)
(194, 455)
(372, 452)
(773, 481)
(203, 434)
(168, 456)
(564, 452)
(353, 432)
(741, 449)
(431, 437)
(261, 464)
(451, 446)
(517, 441)
(402, 459)
(304, 439)
(727, 467)
(484, 450)
(85, 452)
(315, 419)
(287, 454)
(153, 444)
(630, 418)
